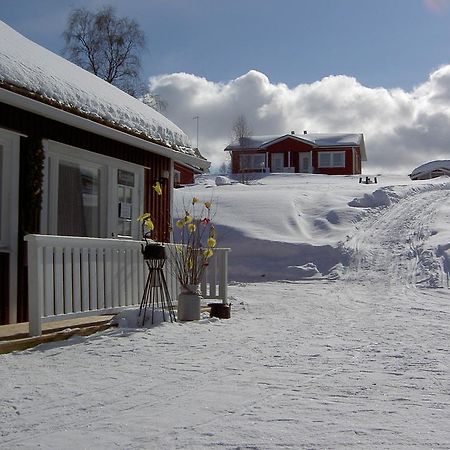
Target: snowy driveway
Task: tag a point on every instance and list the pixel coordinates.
(311, 365)
(361, 362)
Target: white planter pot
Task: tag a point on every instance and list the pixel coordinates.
(189, 306)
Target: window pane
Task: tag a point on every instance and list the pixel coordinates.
(259, 161)
(125, 178)
(125, 213)
(254, 161)
(338, 160)
(245, 163)
(324, 159)
(78, 200)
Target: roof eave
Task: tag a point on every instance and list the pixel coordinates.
(52, 112)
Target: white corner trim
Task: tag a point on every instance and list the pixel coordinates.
(34, 106)
(10, 214)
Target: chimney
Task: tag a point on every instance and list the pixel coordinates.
(305, 132)
(292, 132)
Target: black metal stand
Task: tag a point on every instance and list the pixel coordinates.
(156, 294)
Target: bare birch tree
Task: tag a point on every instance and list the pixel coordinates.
(241, 129)
(109, 47)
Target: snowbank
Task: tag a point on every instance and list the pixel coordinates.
(279, 226)
(431, 169)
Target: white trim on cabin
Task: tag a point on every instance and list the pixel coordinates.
(45, 110)
(9, 205)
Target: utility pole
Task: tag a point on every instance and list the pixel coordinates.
(197, 118)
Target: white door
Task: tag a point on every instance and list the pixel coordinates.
(305, 162)
(277, 162)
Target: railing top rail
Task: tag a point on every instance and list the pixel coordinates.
(44, 240)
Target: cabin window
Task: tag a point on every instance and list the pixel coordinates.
(126, 185)
(331, 159)
(79, 197)
(252, 162)
(90, 194)
(176, 177)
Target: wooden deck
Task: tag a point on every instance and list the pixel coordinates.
(16, 337)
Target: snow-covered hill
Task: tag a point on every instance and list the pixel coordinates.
(351, 352)
(292, 227)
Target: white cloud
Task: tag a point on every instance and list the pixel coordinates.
(402, 129)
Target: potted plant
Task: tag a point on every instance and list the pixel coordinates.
(195, 243)
(197, 239)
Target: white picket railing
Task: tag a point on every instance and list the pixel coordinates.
(74, 276)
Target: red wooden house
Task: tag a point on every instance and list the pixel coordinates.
(78, 157)
(323, 153)
(185, 173)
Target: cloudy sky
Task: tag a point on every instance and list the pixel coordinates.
(377, 67)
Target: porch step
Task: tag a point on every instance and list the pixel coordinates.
(16, 337)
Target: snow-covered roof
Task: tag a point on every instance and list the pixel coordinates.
(316, 139)
(30, 69)
(426, 170)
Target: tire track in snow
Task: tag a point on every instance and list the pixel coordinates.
(392, 246)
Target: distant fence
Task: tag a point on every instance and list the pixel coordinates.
(74, 276)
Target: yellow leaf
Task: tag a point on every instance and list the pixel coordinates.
(191, 228)
(194, 200)
(208, 253)
(149, 224)
(157, 188)
(143, 217)
(211, 242)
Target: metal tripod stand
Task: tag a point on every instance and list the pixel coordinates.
(156, 294)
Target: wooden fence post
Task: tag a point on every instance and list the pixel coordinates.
(35, 278)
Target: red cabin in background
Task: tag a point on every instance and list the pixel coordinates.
(184, 174)
(323, 153)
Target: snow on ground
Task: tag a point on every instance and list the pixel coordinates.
(354, 354)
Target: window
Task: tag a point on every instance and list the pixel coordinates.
(125, 190)
(78, 200)
(277, 162)
(253, 162)
(176, 177)
(331, 159)
(90, 194)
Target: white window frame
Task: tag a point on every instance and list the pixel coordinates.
(10, 143)
(332, 156)
(108, 167)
